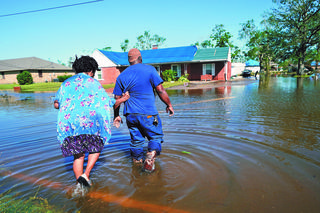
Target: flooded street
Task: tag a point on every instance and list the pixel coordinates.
(242, 146)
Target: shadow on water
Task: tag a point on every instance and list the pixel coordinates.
(242, 146)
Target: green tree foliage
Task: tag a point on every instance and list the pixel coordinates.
(146, 41)
(25, 78)
(313, 55)
(125, 45)
(296, 28)
(220, 37)
(107, 48)
(258, 43)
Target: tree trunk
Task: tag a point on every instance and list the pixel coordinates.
(267, 66)
(318, 53)
(301, 66)
(261, 63)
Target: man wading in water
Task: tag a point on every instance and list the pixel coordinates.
(142, 117)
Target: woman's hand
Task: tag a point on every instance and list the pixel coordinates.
(117, 121)
(125, 96)
(56, 104)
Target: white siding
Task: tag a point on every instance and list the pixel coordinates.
(102, 60)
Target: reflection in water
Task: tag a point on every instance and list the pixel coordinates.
(264, 80)
(250, 146)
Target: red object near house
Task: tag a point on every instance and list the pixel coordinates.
(17, 89)
(206, 77)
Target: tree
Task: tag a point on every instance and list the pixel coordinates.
(220, 38)
(146, 41)
(258, 43)
(125, 45)
(296, 28)
(107, 48)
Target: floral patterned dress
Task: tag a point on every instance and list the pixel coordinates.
(84, 120)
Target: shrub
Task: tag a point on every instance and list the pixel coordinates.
(25, 78)
(62, 78)
(169, 75)
(184, 78)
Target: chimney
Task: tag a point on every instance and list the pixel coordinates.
(155, 46)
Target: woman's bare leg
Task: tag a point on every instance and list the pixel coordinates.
(78, 165)
(92, 159)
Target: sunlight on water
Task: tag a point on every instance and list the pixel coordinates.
(237, 147)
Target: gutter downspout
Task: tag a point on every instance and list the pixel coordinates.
(225, 71)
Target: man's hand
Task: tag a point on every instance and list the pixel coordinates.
(170, 110)
(117, 121)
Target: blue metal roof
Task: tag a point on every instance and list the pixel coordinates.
(155, 56)
(252, 63)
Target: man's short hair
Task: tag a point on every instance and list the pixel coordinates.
(133, 55)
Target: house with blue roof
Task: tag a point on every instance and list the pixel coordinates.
(199, 64)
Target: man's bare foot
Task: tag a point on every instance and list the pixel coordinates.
(149, 165)
(137, 161)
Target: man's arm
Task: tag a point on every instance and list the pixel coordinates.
(165, 98)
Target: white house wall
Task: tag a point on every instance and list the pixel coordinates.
(237, 68)
(102, 60)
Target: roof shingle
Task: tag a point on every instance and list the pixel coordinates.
(30, 63)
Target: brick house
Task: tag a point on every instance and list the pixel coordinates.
(41, 70)
(200, 64)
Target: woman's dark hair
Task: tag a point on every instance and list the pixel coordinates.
(85, 64)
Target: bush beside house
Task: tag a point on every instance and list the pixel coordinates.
(25, 78)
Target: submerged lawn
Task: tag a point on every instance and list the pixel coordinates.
(54, 86)
(10, 204)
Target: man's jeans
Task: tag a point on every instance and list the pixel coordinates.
(141, 126)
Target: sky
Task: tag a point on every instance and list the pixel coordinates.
(58, 34)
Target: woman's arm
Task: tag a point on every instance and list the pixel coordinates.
(120, 100)
(116, 108)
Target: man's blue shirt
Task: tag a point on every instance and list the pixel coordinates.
(139, 80)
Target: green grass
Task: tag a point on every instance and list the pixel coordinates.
(41, 87)
(9, 203)
(169, 84)
(54, 86)
(38, 87)
(7, 86)
(107, 86)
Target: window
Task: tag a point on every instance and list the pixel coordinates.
(99, 74)
(158, 69)
(2, 75)
(177, 68)
(40, 73)
(208, 69)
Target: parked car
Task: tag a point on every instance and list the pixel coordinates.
(246, 73)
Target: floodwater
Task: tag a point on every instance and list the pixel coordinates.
(242, 146)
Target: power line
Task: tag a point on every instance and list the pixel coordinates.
(51, 8)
